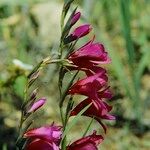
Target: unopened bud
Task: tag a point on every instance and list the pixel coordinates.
(37, 105)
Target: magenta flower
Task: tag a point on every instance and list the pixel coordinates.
(75, 18)
(37, 105)
(89, 85)
(98, 113)
(89, 55)
(51, 134)
(87, 143)
(105, 93)
(38, 144)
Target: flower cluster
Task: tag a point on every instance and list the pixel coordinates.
(49, 137)
(94, 86)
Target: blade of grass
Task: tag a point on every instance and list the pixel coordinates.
(125, 15)
(70, 125)
(120, 71)
(88, 127)
(142, 64)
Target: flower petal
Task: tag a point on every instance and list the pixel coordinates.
(38, 144)
(87, 143)
(50, 133)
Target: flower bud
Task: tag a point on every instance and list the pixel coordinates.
(37, 105)
(75, 18)
(79, 32)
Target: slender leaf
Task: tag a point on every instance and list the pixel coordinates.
(143, 63)
(74, 121)
(125, 14)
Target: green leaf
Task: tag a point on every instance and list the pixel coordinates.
(120, 71)
(125, 14)
(66, 90)
(143, 63)
(19, 85)
(88, 127)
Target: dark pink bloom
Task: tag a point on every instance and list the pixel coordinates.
(79, 32)
(38, 144)
(87, 143)
(105, 93)
(89, 85)
(100, 112)
(75, 18)
(94, 70)
(37, 105)
(50, 133)
(89, 55)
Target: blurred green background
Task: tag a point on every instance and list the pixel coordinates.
(30, 31)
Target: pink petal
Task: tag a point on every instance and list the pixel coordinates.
(39, 144)
(87, 143)
(50, 133)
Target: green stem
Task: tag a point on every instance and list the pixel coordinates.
(43, 63)
(66, 91)
(62, 20)
(64, 143)
(88, 127)
(62, 118)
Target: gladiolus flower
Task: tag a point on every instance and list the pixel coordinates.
(89, 55)
(37, 105)
(39, 144)
(89, 85)
(97, 113)
(50, 133)
(75, 18)
(87, 143)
